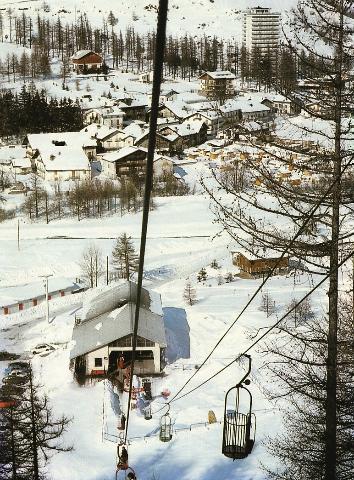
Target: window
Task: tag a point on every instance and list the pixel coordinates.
(98, 362)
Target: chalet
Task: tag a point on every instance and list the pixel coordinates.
(253, 110)
(108, 138)
(133, 109)
(111, 116)
(61, 156)
(212, 118)
(105, 330)
(9, 153)
(87, 61)
(20, 166)
(146, 77)
(125, 161)
(163, 143)
(163, 165)
(218, 84)
(166, 95)
(281, 105)
(186, 134)
(260, 266)
(172, 111)
(230, 112)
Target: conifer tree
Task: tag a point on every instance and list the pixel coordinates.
(124, 258)
(189, 294)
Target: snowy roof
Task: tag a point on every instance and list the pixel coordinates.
(122, 153)
(109, 315)
(83, 53)
(252, 126)
(186, 128)
(112, 112)
(28, 291)
(251, 105)
(134, 129)
(220, 74)
(61, 150)
(230, 106)
(276, 97)
(21, 162)
(104, 131)
(11, 151)
(178, 108)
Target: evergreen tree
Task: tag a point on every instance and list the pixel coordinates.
(124, 258)
(189, 294)
(31, 433)
(202, 275)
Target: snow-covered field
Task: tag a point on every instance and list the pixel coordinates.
(196, 17)
(181, 241)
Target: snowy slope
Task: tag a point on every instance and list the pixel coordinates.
(196, 17)
(175, 251)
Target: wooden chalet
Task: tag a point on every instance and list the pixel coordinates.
(217, 84)
(260, 266)
(126, 161)
(87, 61)
(163, 143)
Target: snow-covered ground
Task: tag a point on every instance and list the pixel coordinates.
(181, 241)
(196, 17)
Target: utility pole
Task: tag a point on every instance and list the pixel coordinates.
(96, 267)
(353, 288)
(45, 280)
(107, 279)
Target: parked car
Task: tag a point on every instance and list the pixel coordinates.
(16, 372)
(24, 366)
(6, 402)
(42, 349)
(13, 381)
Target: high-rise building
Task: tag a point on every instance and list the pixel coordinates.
(261, 29)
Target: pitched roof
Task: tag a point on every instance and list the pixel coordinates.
(82, 53)
(122, 153)
(61, 151)
(220, 74)
(109, 315)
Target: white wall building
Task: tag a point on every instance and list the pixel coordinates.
(61, 156)
(261, 29)
(106, 328)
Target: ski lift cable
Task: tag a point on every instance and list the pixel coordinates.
(270, 273)
(270, 329)
(156, 86)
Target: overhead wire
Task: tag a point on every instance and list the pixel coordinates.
(270, 273)
(156, 86)
(271, 328)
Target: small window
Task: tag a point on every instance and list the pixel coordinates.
(98, 362)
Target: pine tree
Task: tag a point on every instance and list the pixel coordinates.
(202, 275)
(189, 294)
(30, 434)
(124, 258)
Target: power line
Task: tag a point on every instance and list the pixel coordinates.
(267, 332)
(158, 70)
(270, 273)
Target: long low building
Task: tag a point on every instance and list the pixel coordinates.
(21, 297)
(105, 330)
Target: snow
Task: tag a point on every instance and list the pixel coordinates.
(176, 250)
(183, 237)
(61, 151)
